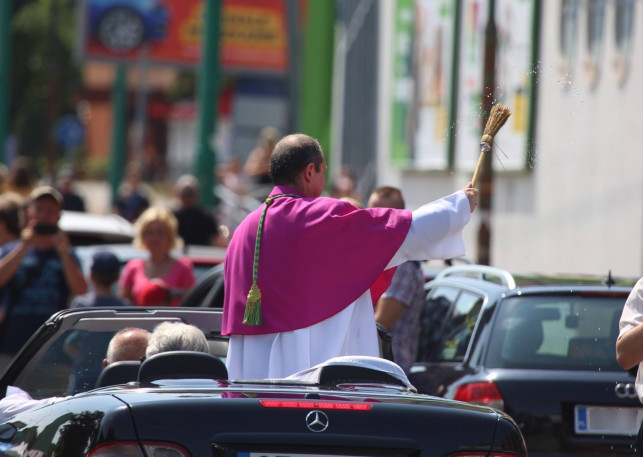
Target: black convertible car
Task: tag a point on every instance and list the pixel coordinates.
(180, 404)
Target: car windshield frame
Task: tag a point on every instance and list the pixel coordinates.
(45, 366)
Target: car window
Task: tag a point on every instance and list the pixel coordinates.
(70, 365)
(436, 306)
(459, 327)
(549, 332)
(74, 360)
(447, 322)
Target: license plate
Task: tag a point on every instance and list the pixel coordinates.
(607, 420)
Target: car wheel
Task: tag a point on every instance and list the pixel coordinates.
(121, 30)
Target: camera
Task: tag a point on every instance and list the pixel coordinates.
(46, 229)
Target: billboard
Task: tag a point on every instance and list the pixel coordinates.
(169, 32)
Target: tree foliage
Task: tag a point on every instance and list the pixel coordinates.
(45, 73)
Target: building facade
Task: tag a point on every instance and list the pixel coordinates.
(567, 189)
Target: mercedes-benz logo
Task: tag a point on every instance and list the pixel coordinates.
(317, 421)
(623, 390)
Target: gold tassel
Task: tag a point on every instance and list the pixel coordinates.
(252, 315)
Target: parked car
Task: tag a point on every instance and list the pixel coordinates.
(181, 404)
(88, 229)
(203, 257)
(208, 290)
(544, 354)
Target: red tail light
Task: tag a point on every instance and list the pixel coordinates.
(306, 404)
(481, 393)
(484, 454)
(132, 449)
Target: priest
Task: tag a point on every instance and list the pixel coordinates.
(298, 269)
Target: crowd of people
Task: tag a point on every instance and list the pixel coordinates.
(292, 299)
(40, 272)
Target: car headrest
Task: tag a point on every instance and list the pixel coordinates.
(118, 373)
(181, 365)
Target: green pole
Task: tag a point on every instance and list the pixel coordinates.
(5, 74)
(207, 99)
(317, 66)
(119, 128)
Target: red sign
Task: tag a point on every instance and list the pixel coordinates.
(253, 32)
(254, 35)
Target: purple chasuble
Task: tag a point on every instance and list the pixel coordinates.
(317, 256)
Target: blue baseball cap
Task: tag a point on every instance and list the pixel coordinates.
(105, 263)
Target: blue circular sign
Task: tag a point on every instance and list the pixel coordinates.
(70, 132)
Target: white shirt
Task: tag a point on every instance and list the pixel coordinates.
(435, 233)
(17, 401)
(631, 317)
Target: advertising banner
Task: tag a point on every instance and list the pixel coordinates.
(169, 32)
(402, 101)
(470, 122)
(434, 48)
(514, 68)
(422, 83)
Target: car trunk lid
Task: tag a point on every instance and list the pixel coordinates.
(571, 410)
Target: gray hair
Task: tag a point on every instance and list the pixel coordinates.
(176, 336)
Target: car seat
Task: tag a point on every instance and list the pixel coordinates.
(181, 365)
(118, 373)
(522, 340)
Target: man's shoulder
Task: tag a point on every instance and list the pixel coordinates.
(411, 267)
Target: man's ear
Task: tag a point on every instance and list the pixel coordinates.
(309, 171)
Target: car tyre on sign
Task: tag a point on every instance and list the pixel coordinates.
(121, 30)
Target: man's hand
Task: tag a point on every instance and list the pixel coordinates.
(61, 242)
(472, 194)
(27, 233)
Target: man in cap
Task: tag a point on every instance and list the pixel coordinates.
(298, 269)
(103, 274)
(40, 274)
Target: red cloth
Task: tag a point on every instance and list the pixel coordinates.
(154, 293)
(381, 284)
(318, 255)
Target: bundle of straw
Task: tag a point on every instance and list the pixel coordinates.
(497, 118)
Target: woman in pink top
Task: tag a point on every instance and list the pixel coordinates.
(156, 232)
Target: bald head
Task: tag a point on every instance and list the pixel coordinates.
(291, 156)
(127, 344)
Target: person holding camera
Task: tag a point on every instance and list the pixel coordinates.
(40, 274)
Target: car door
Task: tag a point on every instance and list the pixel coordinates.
(448, 321)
